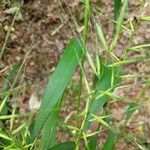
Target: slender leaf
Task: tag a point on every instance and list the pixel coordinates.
(100, 120)
(12, 73)
(130, 110)
(110, 141)
(101, 36)
(10, 76)
(3, 135)
(117, 6)
(5, 117)
(146, 18)
(119, 23)
(139, 47)
(129, 61)
(64, 146)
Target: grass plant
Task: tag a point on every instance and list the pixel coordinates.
(40, 132)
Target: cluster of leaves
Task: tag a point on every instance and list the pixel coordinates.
(41, 131)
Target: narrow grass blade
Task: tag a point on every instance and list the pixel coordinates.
(117, 6)
(109, 95)
(110, 141)
(132, 76)
(5, 117)
(146, 18)
(98, 65)
(3, 135)
(91, 62)
(8, 34)
(119, 23)
(21, 127)
(64, 146)
(58, 83)
(12, 73)
(138, 47)
(129, 61)
(100, 120)
(104, 42)
(10, 76)
(12, 119)
(101, 36)
(86, 20)
(130, 110)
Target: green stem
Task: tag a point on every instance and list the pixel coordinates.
(8, 34)
(79, 97)
(86, 20)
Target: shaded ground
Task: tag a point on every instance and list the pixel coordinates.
(47, 26)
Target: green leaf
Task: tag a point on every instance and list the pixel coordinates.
(50, 128)
(139, 47)
(12, 10)
(130, 110)
(146, 18)
(58, 83)
(101, 36)
(64, 146)
(100, 120)
(4, 136)
(92, 142)
(117, 6)
(12, 73)
(110, 141)
(10, 76)
(109, 79)
(140, 58)
(119, 23)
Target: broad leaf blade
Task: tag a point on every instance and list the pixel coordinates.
(58, 82)
(49, 129)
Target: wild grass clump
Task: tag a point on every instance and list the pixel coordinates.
(39, 131)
